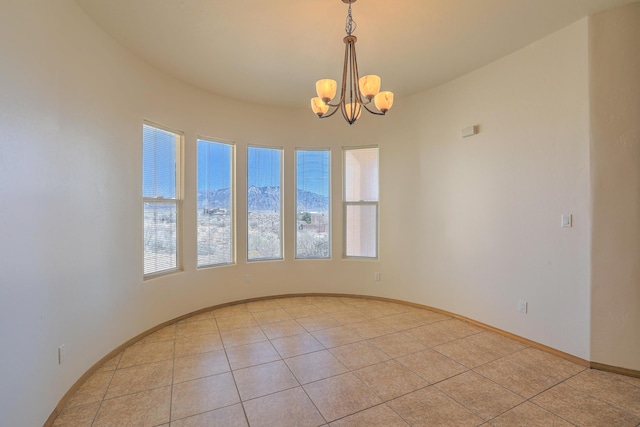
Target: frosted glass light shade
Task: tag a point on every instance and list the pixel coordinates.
(318, 106)
(326, 89)
(384, 101)
(369, 86)
(352, 109)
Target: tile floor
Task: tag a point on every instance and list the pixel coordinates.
(333, 361)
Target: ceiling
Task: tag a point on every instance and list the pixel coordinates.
(272, 51)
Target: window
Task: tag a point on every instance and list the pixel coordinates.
(161, 159)
(215, 203)
(264, 203)
(361, 202)
(312, 204)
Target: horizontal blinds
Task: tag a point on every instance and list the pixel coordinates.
(215, 203)
(264, 203)
(160, 190)
(312, 204)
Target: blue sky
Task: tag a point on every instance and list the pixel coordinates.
(214, 166)
(312, 168)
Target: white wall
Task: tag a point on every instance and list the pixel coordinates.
(473, 225)
(615, 119)
(469, 226)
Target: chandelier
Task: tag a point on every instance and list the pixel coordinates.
(356, 92)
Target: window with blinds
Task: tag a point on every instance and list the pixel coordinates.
(161, 172)
(264, 203)
(361, 178)
(216, 192)
(313, 220)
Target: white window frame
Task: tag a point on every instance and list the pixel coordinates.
(177, 201)
(346, 204)
(232, 219)
(330, 222)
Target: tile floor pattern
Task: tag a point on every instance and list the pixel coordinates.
(338, 361)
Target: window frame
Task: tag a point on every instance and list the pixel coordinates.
(347, 203)
(330, 222)
(177, 201)
(281, 213)
(232, 190)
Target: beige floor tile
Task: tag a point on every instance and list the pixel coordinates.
(397, 344)
(431, 407)
(315, 366)
(458, 328)
(185, 368)
(198, 344)
(251, 355)
(296, 345)
(260, 380)
(546, 363)
(146, 408)
(237, 321)
(390, 379)
(529, 415)
(111, 364)
(139, 378)
(146, 352)
(199, 365)
(229, 416)
(230, 310)
(378, 311)
(370, 329)
(271, 316)
(334, 306)
(480, 395)
(77, 416)
(203, 395)
(93, 389)
(427, 316)
(335, 337)
(209, 314)
(519, 379)
(631, 380)
(263, 305)
(286, 328)
(293, 302)
(358, 355)
(432, 366)
(608, 388)
(583, 409)
(496, 343)
(467, 353)
(401, 322)
(242, 336)
(339, 396)
(289, 408)
(318, 322)
(165, 334)
(350, 316)
(301, 311)
(201, 327)
(429, 335)
(380, 415)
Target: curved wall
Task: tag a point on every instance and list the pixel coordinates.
(470, 226)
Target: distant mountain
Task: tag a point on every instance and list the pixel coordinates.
(263, 199)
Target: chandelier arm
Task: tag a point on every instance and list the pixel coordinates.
(324, 116)
(377, 113)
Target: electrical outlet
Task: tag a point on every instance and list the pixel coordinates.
(62, 354)
(376, 276)
(247, 278)
(522, 306)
